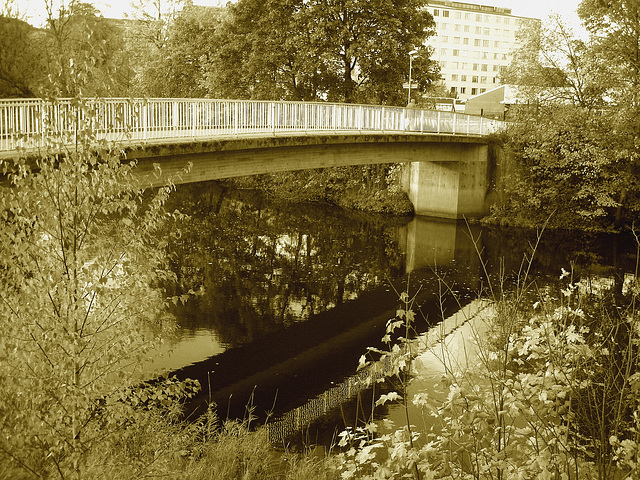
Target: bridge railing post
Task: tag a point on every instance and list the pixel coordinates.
(236, 108)
(272, 117)
(438, 122)
(194, 119)
(334, 120)
(174, 119)
(144, 114)
(306, 117)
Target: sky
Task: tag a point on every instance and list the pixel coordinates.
(34, 9)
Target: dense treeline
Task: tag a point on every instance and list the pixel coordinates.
(574, 144)
(344, 50)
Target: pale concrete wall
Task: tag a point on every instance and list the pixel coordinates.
(447, 189)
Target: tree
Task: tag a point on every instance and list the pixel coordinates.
(84, 55)
(552, 65)
(264, 50)
(149, 46)
(324, 49)
(81, 301)
(615, 32)
(21, 56)
(366, 46)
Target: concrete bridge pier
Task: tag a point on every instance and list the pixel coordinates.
(452, 184)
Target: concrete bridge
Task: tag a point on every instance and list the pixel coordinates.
(446, 154)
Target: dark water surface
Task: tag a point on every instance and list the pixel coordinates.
(294, 294)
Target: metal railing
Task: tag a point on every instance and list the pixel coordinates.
(33, 123)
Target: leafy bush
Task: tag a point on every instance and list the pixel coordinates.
(544, 390)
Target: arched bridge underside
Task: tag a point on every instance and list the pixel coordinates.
(445, 176)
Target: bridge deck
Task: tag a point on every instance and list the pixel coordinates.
(35, 123)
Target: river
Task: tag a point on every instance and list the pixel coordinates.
(294, 295)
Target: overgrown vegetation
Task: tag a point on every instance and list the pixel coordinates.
(354, 51)
(574, 145)
(546, 387)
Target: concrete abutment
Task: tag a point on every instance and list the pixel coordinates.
(442, 187)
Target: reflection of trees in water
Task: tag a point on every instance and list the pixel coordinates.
(587, 254)
(264, 265)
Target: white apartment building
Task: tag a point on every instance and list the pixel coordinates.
(472, 44)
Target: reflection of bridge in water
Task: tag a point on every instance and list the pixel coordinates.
(308, 368)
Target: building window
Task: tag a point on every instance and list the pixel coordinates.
(436, 13)
(478, 17)
(466, 29)
(465, 41)
(443, 51)
(458, 28)
(465, 66)
(465, 53)
(445, 13)
(467, 16)
(486, 31)
(495, 68)
(496, 56)
(486, 18)
(482, 90)
(495, 79)
(485, 43)
(484, 67)
(444, 39)
(456, 40)
(456, 52)
(474, 91)
(457, 15)
(443, 64)
(478, 30)
(476, 42)
(483, 79)
(463, 78)
(507, 21)
(454, 77)
(474, 79)
(485, 55)
(454, 65)
(463, 89)
(453, 90)
(475, 67)
(496, 44)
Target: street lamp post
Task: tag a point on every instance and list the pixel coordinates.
(411, 55)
